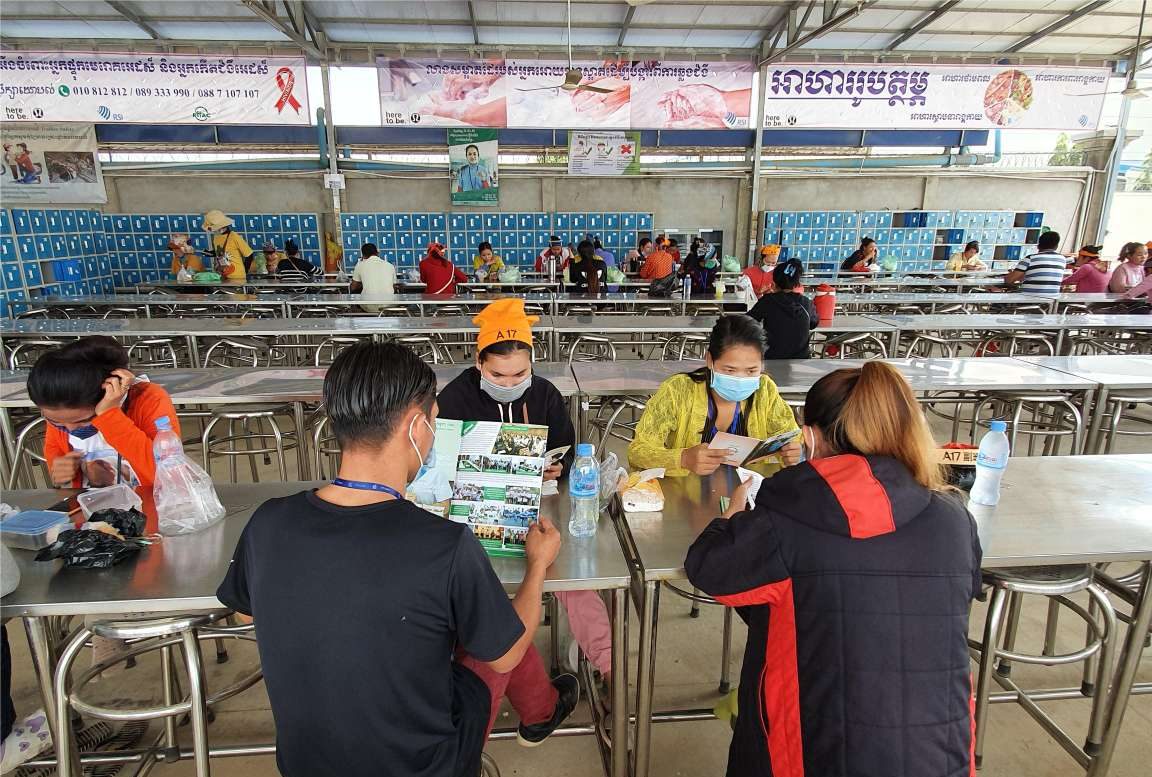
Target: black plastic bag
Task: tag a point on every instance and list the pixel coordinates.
(130, 523)
(88, 549)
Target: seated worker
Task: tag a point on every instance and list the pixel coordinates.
(502, 387)
(761, 273)
(587, 270)
(863, 259)
(788, 317)
(1130, 272)
(487, 263)
(230, 250)
(877, 681)
(438, 273)
(729, 393)
(1089, 275)
(967, 260)
(294, 268)
(372, 275)
(555, 252)
(658, 263)
(1043, 271)
(184, 256)
(374, 688)
(101, 418)
(701, 266)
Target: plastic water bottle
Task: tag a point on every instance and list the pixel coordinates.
(686, 287)
(991, 460)
(584, 490)
(166, 443)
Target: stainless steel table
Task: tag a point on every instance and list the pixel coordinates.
(1052, 511)
(1109, 371)
(239, 386)
(182, 573)
(989, 322)
(267, 282)
(930, 300)
(418, 302)
(147, 302)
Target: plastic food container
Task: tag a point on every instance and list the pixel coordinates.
(117, 497)
(33, 529)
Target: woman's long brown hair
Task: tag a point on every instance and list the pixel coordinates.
(872, 410)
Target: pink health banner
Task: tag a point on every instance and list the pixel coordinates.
(934, 97)
(542, 94)
(152, 88)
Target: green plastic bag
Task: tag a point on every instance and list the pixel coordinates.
(890, 263)
(730, 265)
(510, 275)
(616, 275)
(207, 277)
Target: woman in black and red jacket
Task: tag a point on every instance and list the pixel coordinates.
(854, 573)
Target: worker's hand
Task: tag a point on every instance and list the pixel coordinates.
(695, 105)
(542, 545)
(702, 460)
(115, 388)
(739, 501)
(791, 453)
(554, 472)
(64, 468)
(100, 473)
(597, 104)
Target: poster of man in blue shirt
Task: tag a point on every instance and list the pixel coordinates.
(473, 157)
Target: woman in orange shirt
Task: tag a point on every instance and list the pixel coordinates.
(101, 418)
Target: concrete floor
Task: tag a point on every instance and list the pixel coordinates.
(687, 675)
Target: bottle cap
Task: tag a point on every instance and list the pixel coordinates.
(585, 449)
(999, 426)
(163, 422)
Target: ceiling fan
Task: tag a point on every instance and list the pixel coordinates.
(575, 75)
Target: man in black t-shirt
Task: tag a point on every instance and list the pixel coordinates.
(360, 598)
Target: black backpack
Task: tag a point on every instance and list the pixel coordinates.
(662, 287)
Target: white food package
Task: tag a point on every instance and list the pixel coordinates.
(642, 492)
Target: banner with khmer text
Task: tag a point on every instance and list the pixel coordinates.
(152, 88)
(890, 96)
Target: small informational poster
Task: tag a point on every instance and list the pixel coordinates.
(473, 155)
(50, 162)
(487, 475)
(603, 153)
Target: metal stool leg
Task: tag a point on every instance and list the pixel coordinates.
(726, 653)
(1050, 626)
(695, 611)
(1015, 604)
(191, 649)
(1106, 658)
(992, 631)
(554, 632)
(171, 751)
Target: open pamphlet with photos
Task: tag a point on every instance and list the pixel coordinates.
(488, 475)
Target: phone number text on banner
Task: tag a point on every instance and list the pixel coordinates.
(934, 97)
(547, 94)
(153, 88)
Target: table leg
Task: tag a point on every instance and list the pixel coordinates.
(9, 435)
(895, 344)
(44, 662)
(1092, 441)
(1125, 673)
(1060, 342)
(645, 677)
(620, 682)
(303, 466)
(193, 353)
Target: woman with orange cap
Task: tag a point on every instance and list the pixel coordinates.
(761, 274)
(501, 387)
(438, 273)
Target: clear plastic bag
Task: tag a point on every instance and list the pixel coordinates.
(510, 275)
(611, 475)
(186, 500)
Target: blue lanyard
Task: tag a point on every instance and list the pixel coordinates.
(732, 427)
(363, 485)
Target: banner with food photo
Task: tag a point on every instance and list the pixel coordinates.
(473, 160)
(51, 163)
(557, 94)
(911, 96)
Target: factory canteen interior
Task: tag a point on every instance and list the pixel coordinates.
(576, 387)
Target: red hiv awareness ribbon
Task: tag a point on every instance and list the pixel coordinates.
(285, 80)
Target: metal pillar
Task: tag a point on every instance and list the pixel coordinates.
(758, 151)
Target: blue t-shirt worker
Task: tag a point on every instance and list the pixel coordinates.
(361, 598)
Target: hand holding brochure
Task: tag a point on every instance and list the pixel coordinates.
(745, 450)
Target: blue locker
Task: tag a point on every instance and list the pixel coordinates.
(160, 224)
(884, 220)
(629, 221)
(7, 249)
(578, 221)
(44, 248)
(803, 220)
(67, 220)
(347, 222)
(420, 222)
(404, 240)
(351, 242)
(561, 221)
(817, 237)
(310, 241)
(386, 222)
(644, 221)
(73, 245)
(611, 221)
(526, 240)
(290, 222)
(491, 221)
(52, 220)
(13, 278)
(524, 221)
(32, 274)
(21, 222)
(59, 246)
(402, 222)
(27, 246)
(868, 220)
(788, 220)
(595, 221)
(366, 222)
(834, 219)
(38, 221)
(818, 219)
(308, 222)
(422, 239)
(5, 222)
(459, 241)
(1035, 220)
(271, 223)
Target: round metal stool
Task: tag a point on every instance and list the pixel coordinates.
(1116, 407)
(592, 348)
(1009, 586)
(182, 632)
(1065, 419)
(247, 441)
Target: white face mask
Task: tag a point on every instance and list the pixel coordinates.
(427, 460)
(504, 394)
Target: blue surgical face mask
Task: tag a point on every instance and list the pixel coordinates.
(426, 461)
(82, 432)
(733, 388)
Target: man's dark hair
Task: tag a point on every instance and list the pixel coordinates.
(1049, 241)
(973, 245)
(73, 375)
(369, 249)
(369, 386)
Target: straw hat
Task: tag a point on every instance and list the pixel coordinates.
(215, 219)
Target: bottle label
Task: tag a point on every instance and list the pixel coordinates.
(991, 462)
